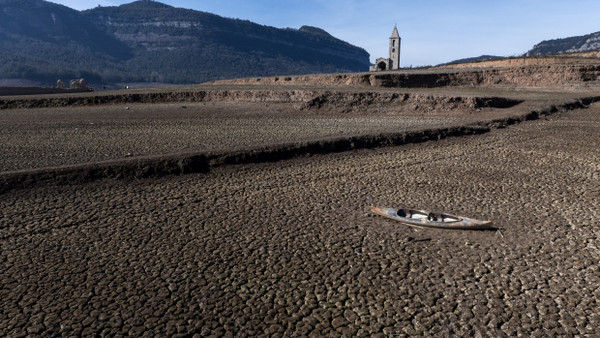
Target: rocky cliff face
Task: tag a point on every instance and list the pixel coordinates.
(225, 47)
(154, 42)
(586, 43)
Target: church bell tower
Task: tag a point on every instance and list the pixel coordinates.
(394, 62)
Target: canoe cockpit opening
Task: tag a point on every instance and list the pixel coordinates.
(415, 214)
(431, 217)
(450, 219)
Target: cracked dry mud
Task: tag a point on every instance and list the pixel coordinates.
(289, 248)
(47, 137)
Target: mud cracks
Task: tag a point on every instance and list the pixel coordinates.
(289, 249)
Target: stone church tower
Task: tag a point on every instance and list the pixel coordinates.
(394, 50)
(393, 61)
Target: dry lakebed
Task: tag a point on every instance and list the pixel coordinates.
(244, 211)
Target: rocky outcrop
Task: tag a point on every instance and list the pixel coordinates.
(79, 85)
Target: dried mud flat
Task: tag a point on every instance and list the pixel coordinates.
(289, 248)
(80, 138)
(102, 234)
(52, 137)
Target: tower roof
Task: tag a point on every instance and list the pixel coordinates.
(395, 34)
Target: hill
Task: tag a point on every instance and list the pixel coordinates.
(576, 44)
(471, 59)
(147, 41)
(41, 41)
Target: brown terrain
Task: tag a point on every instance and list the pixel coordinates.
(241, 208)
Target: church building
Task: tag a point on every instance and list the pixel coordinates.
(393, 61)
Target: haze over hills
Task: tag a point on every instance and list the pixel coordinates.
(147, 41)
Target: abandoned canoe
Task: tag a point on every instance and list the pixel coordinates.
(419, 218)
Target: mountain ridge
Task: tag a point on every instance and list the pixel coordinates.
(147, 41)
(570, 45)
(574, 44)
(471, 59)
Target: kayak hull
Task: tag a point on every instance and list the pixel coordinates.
(426, 219)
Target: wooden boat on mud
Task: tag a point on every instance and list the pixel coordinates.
(426, 219)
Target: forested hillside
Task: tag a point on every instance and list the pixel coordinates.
(147, 41)
(575, 44)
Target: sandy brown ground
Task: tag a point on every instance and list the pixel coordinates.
(289, 248)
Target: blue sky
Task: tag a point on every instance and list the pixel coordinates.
(432, 31)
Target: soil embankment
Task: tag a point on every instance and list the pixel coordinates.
(567, 72)
(306, 98)
(551, 76)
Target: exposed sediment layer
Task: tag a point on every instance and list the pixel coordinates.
(535, 76)
(308, 99)
(550, 76)
(397, 101)
(178, 164)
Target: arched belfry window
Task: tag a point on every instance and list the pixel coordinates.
(393, 43)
